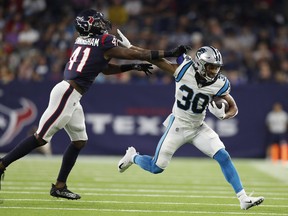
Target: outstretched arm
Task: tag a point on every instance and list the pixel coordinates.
(147, 55)
(162, 63)
(116, 69)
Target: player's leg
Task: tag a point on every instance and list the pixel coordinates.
(228, 169)
(167, 146)
(231, 175)
(53, 119)
(20, 150)
(210, 144)
(59, 189)
(23, 148)
(34, 141)
(76, 130)
(171, 140)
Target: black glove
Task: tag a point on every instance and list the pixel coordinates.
(143, 67)
(178, 51)
(140, 67)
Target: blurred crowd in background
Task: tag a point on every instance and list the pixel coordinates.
(36, 36)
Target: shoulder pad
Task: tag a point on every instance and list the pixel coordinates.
(224, 85)
(109, 41)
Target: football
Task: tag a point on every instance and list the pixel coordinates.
(219, 100)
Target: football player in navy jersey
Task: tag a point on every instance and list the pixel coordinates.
(91, 54)
(197, 81)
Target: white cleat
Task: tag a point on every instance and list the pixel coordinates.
(249, 202)
(126, 161)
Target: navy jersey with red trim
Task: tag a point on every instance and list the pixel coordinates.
(87, 59)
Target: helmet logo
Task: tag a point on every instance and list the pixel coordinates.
(84, 24)
(91, 20)
(201, 51)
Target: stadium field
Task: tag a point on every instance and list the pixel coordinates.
(187, 187)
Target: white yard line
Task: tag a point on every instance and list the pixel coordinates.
(137, 202)
(142, 195)
(142, 211)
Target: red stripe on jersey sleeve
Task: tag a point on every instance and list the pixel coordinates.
(103, 38)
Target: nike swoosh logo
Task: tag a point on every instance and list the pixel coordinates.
(120, 166)
(249, 201)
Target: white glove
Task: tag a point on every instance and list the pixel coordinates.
(219, 113)
(124, 40)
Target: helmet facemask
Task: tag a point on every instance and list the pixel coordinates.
(100, 24)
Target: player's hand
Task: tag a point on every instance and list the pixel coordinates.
(180, 50)
(143, 67)
(219, 113)
(124, 40)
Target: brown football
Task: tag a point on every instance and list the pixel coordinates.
(219, 100)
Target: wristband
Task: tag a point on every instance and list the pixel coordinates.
(154, 54)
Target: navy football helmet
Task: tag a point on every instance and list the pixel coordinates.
(90, 22)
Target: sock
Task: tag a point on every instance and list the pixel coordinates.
(22, 149)
(275, 152)
(147, 163)
(68, 161)
(241, 195)
(284, 153)
(228, 169)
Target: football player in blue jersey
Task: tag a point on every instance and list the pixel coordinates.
(91, 54)
(197, 81)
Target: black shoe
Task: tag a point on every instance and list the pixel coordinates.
(63, 193)
(1, 175)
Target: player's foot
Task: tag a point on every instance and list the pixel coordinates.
(1, 174)
(126, 161)
(63, 193)
(249, 202)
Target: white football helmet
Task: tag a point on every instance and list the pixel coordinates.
(204, 56)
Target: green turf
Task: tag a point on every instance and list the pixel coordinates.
(187, 187)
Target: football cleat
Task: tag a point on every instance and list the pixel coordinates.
(63, 193)
(249, 202)
(126, 161)
(1, 174)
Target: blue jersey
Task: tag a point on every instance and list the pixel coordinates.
(87, 59)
